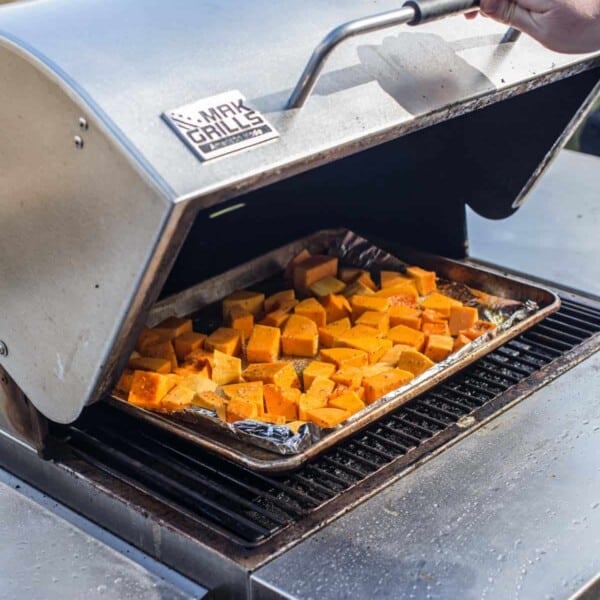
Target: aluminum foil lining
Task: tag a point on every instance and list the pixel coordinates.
(354, 251)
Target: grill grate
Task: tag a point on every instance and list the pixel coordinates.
(250, 507)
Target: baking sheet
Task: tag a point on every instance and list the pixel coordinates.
(514, 305)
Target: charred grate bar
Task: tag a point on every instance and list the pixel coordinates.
(249, 508)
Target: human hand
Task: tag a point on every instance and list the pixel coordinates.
(571, 26)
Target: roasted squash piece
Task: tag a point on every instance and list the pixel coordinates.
(277, 318)
(356, 288)
(414, 362)
(361, 304)
(311, 309)
(282, 374)
(321, 386)
(125, 381)
(173, 327)
(272, 419)
(348, 401)
(406, 335)
(480, 328)
(147, 336)
(327, 417)
(298, 259)
(393, 278)
(379, 321)
(194, 381)
(405, 315)
(407, 288)
(432, 316)
(424, 280)
(211, 401)
(248, 392)
(178, 398)
(460, 341)
(316, 369)
(374, 347)
(462, 317)
(300, 337)
(380, 385)
(226, 340)
(240, 410)
(309, 402)
(345, 357)
(439, 347)
(242, 320)
(350, 377)
(148, 389)
(295, 426)
(435, 329)
(276, 300)
(226, 369)
(312, 269)
(264, 344)
(336, 307)
(164, 350)
(282, 401)
(252, 302)
(329, 333)
(158, 365)
(326, 286)
(440, 303)
(187, 342)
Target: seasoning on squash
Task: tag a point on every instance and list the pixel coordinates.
(329, 333)
(300, 337)
(210, 401)
(264, 344)
(424, 280)
(315, 369)
(380, 385)
(313, 310)
(226, 340)
(178, 398)
(282, 374)
(321, 386)
(406, 335)
(413, 361)
(462, 317)
(148, 389)
(312, 269)
(439, 347)
(226, 369)
(186, 343)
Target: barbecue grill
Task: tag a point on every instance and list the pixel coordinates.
(115, 198)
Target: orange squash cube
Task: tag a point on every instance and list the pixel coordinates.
(281, 374)
(248, 392)
(288, 274)
(173, 327)
(158, 365)
(164, 350)
(460, 342)
(424, 280)
(275, 301)
(350, 377)
(264, 344)
(252, 302)
(435, 329)
(316, 369)
(309, 402)
(125, 381)
(379, 385)
(311, 309)
(326, 286)
(345, 357)
(300, 337)
(240, 410)
(226, 369)
(462, 317)
(329, 333)
(393, 278)
(196, 382)
(242, 320)
(432, 316)
(405, 315)
(348, 401)
(282, 401)
(147, 336)
(440, 303)
(413, 362)
(327, 417)
(148, 389)
(479, 329)
(374, 347)
(211, 401)
(277, 318)
(178, 398)
(361, 304)
(392, 356)
(439, 347)
(356, 288)
(321, 386)
(312, 269)
(379, 321)
(336, 307)
(187, 343)
(226, 340)
(406, 335)
(406, 287)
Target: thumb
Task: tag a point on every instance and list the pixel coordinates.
(510, 12)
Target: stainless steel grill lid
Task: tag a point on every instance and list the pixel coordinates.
(98, 190)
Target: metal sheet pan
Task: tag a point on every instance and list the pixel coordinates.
(353, 250)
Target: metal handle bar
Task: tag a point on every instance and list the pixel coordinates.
(413, 12)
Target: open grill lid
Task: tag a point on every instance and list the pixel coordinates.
(98, 191)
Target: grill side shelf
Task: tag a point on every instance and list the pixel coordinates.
(250, 508)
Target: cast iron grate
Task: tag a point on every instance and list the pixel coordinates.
(248, 507)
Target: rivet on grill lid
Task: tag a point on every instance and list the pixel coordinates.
(78, 142)
(83, 124)
(3, 349)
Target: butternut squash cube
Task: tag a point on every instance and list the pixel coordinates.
(460, 342)
(392, 278)
(327, 417)
(125, 381)
(240, 410)
(406, 335)
(316, 369)
(164, 350)
(178, 398)
(479, 329)
(226, 369)
(246, 300)
(414, 362)
(435, 329)
(404, 315)
(329, 333)
(321, 386)
(242, 320)
(348, 401)
(345, 357)
(374, 347)
(287, 306)
(271, 419)
(211, 401)
(147, 336)
(462, 317)
(277, 318)
(288, 274)
(282, 401)
(375, 369)
(356, 288)
(295, 426)
(148, 389)
(187, 343)
(432, 316)
(226, 340)
(195, 382)
(336, 307)
(406, 287)
(173, 327)
(380, 385)
(392, 356)
(326, 286)
(158, 365)
(410, 299)
(311, 309)
(424, 280)
(350, 377)
(439, 347)
(276, 300)
(300, 337)
(309, 402)
(361, 304)
(264, 344)
(440, 303)
(200, 356)
(358, 331)
(281, 374)
(379, 321)
(248, 392)
(312, 269)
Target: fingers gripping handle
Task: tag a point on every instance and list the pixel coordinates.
(431, 10)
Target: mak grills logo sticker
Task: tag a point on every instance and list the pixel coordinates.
(220, 125)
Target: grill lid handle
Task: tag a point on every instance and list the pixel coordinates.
(413, 12)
